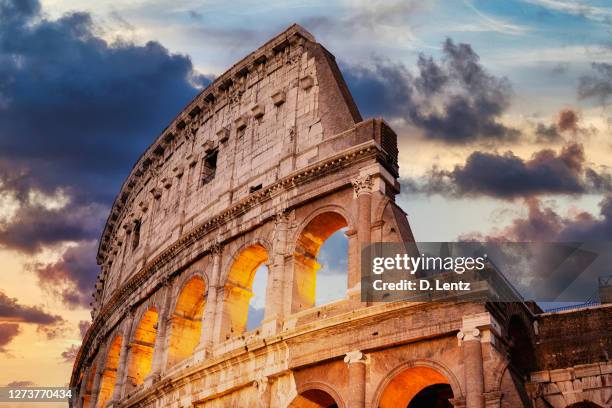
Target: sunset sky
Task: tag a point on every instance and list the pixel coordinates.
(478, 92)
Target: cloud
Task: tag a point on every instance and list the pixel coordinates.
(18, 384)
(376, 20)
(576, 8)
(455, 101)
(8, 331)
(83, 327)
(597, 85)
(507, 176)
(568, 120)
(71, 277)
(12, 311)
(70, 353)
(544, 224)
(547, 133)
(75, 113)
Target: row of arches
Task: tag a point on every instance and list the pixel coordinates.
(242, 303)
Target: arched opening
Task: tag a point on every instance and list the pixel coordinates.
(141, 348)
(417, 387)
(433, 396)
(109, 375)
(584, 404)
(306, 261)
(238, 291)
(186, 321)
(313, 399)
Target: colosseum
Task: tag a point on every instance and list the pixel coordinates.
(259, 170)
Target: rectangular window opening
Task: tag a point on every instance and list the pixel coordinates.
(209, 167)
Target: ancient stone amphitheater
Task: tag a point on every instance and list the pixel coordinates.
(260, 169)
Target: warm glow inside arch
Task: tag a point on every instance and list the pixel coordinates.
(186, 321)
(239, 289)
(417, 387)
(109, 375)
(141, 348)
(313, 398)
(307, 248)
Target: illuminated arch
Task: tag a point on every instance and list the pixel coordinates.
(109, 375)
(316, 395)
(238, 288)
(186, 321)
(141, 348)
(317, 229)
(409, 382)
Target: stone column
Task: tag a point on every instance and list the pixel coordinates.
(121, 368)
(210, 310)
(122, 373)
(356, 378)
(472, 368)
(476, 329)
(363, 193)
(159, 349)
(262, 386)
(276, 282)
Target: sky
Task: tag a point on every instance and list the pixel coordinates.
(502, 111)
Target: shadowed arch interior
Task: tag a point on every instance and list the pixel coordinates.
(307, 248)
(414, 387)
(584, 404)
(141, 348)
(314, 399)
(239, 289)
(186, 321)
(109, 375)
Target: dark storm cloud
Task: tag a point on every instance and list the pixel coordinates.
(71, 277)
(597, 85)
(78, 109)
(508, 176)
(547, 133)
(8, 331)
(75, 113)
(455, 100)
(544, 224)
(11, 310)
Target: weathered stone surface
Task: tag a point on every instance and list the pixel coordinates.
(261, 168)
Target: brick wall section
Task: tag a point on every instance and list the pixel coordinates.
(571, 338)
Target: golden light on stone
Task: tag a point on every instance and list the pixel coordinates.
(239, 288)
(186, 322)
(109, 375)
(307, 249)
(141, 350)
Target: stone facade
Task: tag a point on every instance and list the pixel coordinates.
(259, 169)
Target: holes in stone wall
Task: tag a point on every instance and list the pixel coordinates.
(209, 167)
